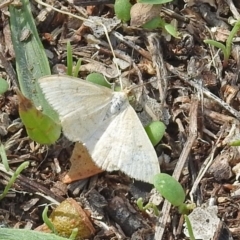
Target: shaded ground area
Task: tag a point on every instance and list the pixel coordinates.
(189, 88)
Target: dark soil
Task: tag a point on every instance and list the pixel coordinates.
(198, 96)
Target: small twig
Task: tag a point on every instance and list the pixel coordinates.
(140, 50)
(175, 15)
(218, 117)
(180, 164)
(92, 2)
(30, 186)
(207, 163)
(215, 98)
(155, 50)
(205, 91)
(233, 9)
(190, 141)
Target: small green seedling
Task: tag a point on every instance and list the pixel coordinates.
(3, 86)
(74, 234)
(158, 22)
(147, 206)
(122, 10)
(13, 179)
(96, 78)
(173, 191)
(70, 62)
(47, 221)
(155, 131)
(225, 48)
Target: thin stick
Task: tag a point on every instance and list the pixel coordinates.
(180, 164)
(157, 58)
(207, 163)
(140, 50)
(204, 91)
(30, 186)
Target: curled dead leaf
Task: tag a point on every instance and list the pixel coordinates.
(82, 165)
(110, 71)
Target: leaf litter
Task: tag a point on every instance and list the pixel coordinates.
(199, 99)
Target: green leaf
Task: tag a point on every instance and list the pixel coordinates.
(39, 126)
(16, 234)
(154, 1)
(99, 79)
(31, 60)
(122, 10)
(3, 86)
(171, 30)
(169, 188)
(215, 44)
(235, 143)
(153, 23)
(155, 131)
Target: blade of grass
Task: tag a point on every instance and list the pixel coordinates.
(189, 227)
(69, 59)
(47, 221)
(31, 60)
(13, 178)
(216, 44)
(77, 68)
(230, 38)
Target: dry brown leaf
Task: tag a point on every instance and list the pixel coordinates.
(221, 34)
(109, 71)
(82, 165)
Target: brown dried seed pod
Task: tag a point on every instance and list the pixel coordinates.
(69, 215)
(142, 13)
